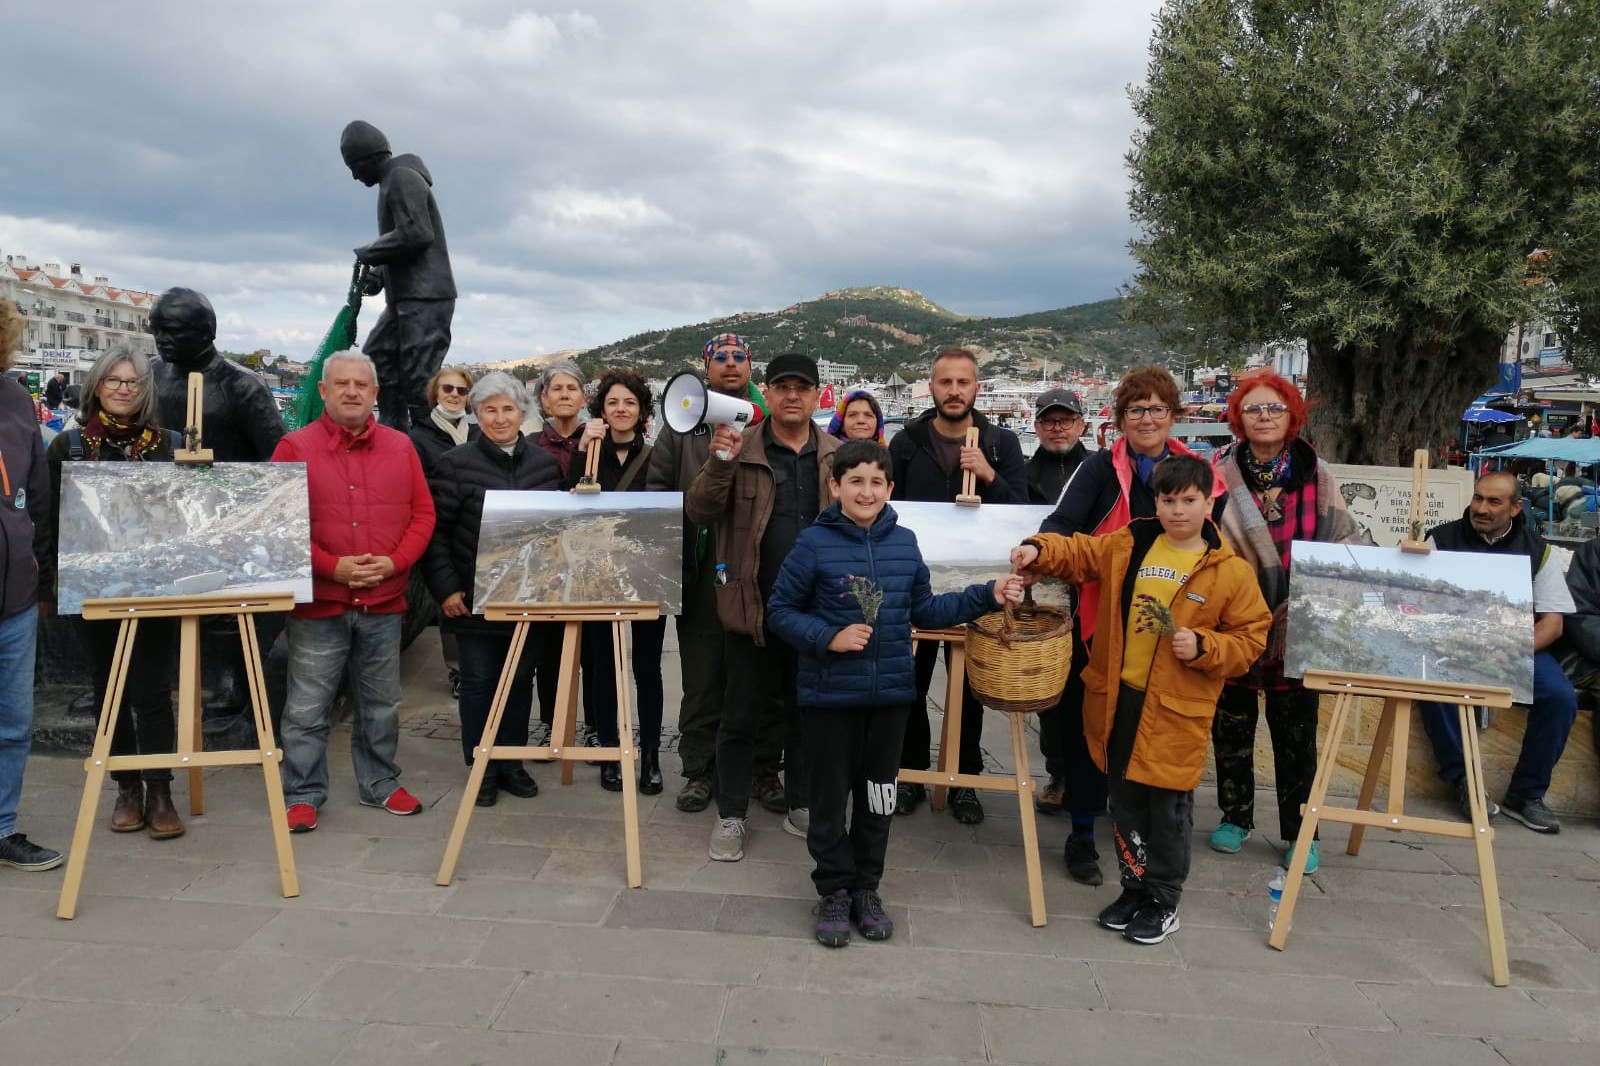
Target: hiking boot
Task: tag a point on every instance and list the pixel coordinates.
(768, 791)
(1229, 838)
(964, 806)
(1153, 924)
(1490, 806)
(17, 850)
(727, 840)
(1531, 812)
(1121, 911)
(1050, 798)
(833, 919)
(798, 822)
(866, 910)
(159, 813)
(1311, 859)
(518, 782)
(128, 814)
(695, 796)
(908, 798)
(1083, 861)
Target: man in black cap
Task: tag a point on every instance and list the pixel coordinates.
(1058, 423)
(411, 266)
(758, 490)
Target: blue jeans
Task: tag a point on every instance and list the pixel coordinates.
(483, 656)
(1550, 718)
(320, 649)
(17, 635)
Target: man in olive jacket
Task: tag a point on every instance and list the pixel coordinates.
(773, 484)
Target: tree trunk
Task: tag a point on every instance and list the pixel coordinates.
(1378, 404)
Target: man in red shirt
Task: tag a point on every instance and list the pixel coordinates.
(371, 517)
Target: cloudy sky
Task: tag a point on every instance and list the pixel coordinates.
(602, 169)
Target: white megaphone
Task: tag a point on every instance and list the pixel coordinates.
(688, 405)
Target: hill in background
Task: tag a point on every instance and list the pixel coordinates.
(882, 329)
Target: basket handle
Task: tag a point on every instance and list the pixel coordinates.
(1008, 628)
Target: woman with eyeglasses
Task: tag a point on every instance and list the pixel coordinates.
(1280, 492)
(1107, 491)
(120, 425)
(448, 426)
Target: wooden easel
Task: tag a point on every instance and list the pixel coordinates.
(589, 484)
(190, 754)
(562, 747)
(191, 453)
(947, 776)
(1394, 730)
(1415, 541)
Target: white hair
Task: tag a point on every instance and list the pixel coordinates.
(498, 383)
(350, 355)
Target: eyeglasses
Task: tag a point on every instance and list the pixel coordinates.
(1157, 411)
(122, 384)
(455, 390)
(1264, 410)
(723, 357)
(1060, 423)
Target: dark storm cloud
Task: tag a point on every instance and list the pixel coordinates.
(601, 169)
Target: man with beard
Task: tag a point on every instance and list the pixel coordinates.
(930, 456)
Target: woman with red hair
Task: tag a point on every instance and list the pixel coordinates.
(1279, 492)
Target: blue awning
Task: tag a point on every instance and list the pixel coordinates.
(1580, 450)
(1489, 414)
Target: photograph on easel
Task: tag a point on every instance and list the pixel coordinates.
(557, 547)
(159, 529)
(1440, 616)
(964, 545)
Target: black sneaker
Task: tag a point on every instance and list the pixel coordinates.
(866, 910)
(455, 684)
(908, 798)
(1490, 806)
(1531, 812)
(1117, 916)
(1153, 924)
(833, 919)
(17, 850)
(964, 806)
(1083, 861)
(768, 791)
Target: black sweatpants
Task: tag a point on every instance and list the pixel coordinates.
(1151, 826)
(915, 749)
(1065, 750)
(1292, 721)
(759, 677)
(852, 754)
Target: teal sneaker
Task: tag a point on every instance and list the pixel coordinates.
(1229, 838)
(1311, 859)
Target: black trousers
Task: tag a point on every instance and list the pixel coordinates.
(852, 756)
(600, 680)
(1065, 750)
(1292, 721)
(146, 724)
(1151, 826)
(759, 678)
(408, 344)
(915, 750)
(700, 656)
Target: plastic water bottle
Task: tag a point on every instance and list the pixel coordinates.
(1275, 895)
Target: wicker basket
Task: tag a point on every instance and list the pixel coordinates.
(1018, 658)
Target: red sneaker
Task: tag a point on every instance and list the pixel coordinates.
(399, 802)
(302, 818)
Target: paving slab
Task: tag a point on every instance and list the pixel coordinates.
(237, 1038)
(1174, 992)
(851, 1023)
(1477, 1012)
(636, 1007)
(421, 1045)
(400, 938)
(1349, 1047)
(1014, 1035)
(84, 1034)
(463, 997)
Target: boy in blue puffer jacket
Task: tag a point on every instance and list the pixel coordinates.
(848, 594)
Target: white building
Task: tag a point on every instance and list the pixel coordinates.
(72, 318)
(837, 373)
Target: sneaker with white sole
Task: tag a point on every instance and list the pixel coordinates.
(798, 822)
(727, 840)
(1153, 924)
(1531, 812)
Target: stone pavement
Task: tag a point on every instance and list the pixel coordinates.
(183, 951)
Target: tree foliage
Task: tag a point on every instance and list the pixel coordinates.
(1371, 175)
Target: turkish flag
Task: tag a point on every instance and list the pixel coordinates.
(826, 400)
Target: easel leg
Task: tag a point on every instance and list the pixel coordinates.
(566, 723)
(78, 855)
(1369, 784)
(189, 717)
(1342, 706)
(955, 665)
(1482, 836)
(270, 755)
(630, 784)
(1030, 834)
(482, 754)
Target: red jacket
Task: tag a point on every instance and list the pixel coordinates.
(368, 494)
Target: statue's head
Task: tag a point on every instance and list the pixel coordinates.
(365, 150)
(184, 326)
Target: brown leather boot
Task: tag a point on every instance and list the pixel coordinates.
(128, 815)
(160, 813)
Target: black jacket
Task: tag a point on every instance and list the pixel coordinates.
(460, 478)
(432, 442)
(1459, 536)
(1048, 472)
(1580, 631)
(23, 530)
(611, 468)
(240, 423)
(918, 475)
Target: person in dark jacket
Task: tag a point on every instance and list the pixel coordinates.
(1579, 647)
(447, 426)
(54, 389)
(121, 423)
(619, 411)
(557, 398)
(501, 458)
(845, 599)
(930, 456)
(24, 562)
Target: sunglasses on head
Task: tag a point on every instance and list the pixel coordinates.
(723, 357)
(454, 390)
